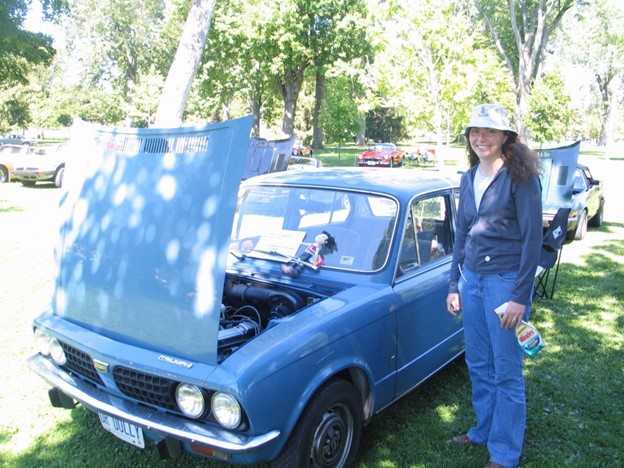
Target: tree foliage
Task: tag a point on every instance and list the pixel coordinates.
(521, 30)
(549, 116)
(20, 49)
(595, 38)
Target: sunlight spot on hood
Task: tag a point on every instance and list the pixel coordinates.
(173, 250)
(205, 298)
(166, 187)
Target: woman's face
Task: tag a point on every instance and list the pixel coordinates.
(487, 143)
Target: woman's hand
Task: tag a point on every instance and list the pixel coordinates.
(453, 304)
(513, 315)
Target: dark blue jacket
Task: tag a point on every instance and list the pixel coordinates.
(504, 236)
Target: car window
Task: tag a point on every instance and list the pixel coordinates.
(289, 219)
(579, 182)
(427, 233)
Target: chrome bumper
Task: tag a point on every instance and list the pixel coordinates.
(149, 419)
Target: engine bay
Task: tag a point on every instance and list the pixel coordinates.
(250, 307)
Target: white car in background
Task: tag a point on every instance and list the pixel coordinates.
(44, 165)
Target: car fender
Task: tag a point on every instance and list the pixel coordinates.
(304, 355)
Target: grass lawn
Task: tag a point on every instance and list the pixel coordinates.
(575, 386)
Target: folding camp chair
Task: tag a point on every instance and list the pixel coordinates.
(552, 245)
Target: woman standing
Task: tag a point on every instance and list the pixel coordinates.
(497, 246)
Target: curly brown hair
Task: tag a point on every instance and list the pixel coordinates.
(520, 160)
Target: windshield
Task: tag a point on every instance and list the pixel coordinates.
(285, 221)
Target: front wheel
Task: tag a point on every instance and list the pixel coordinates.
(328, 433)
(4, 175)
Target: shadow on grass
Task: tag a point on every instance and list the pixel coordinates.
(82, 442)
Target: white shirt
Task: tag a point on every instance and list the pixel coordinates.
(480, 184)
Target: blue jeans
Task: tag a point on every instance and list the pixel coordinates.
(495, 365)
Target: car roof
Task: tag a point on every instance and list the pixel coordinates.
(402, 183)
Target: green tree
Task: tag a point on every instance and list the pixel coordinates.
(385, 125)
(521, 30)
(549, 117)
(302, 34)
(339, 115)
(237, 64)
(20, 49)
(595, 39)
(117, 41)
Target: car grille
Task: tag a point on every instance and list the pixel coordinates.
(146, 388)
(81, 364)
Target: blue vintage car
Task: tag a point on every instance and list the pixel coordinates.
(271, 326)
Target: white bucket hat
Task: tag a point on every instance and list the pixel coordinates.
(490, 116)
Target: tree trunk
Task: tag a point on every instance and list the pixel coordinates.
(317, 130)
(360, 138)
(182, 72)
(290, 86)
(256, 108)
(605, 107)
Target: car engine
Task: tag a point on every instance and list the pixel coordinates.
(250, 307)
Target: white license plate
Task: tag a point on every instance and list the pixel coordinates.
(122, 429)
(372, 163)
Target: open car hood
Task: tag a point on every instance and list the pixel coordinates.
(146, 223)
(558, 170)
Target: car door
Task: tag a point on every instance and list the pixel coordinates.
(592, 189)
(427, 335)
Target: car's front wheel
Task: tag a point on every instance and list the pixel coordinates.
(328, 433)
(4, 175)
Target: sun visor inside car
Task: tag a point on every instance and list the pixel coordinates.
(558, 170)
(146, 223)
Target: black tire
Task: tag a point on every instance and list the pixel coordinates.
(328, 432)
(581, 228)
(58, 177)
(29, 183)
(598, 218)
(4, 175)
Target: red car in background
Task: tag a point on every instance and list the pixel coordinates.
(382, 154)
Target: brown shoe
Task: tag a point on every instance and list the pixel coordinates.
(462, 440)
(493, 465)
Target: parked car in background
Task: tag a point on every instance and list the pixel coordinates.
(11, 156)
(587, 204)
(272, 328)
(382, 154)
(14, 139)
(43, 165)
(303, 163)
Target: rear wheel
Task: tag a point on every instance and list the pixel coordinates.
(58, 177)
(598, 218)
(328, 433)
(581, 228)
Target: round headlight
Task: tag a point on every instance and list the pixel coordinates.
(226, 410)
(42, 340)
(56, 352)
(190, 400)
